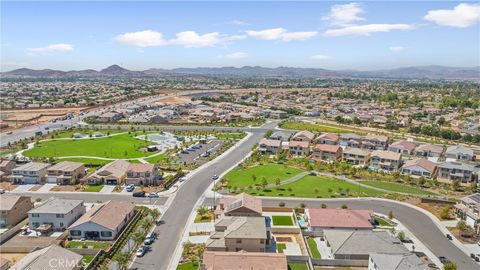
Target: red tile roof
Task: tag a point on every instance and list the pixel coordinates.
(340, 218)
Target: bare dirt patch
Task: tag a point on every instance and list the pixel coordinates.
(7, 186)
(467, 237)
(66, 188)
(35, 188)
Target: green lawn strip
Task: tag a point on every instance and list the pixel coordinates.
(243, 177)
(382, 222)
(396, 187)
(307, 185)
(86, 259)
(87, 161)
(282, 220)
(86, 244)
(121, 146)
(233, 136)
(188, 266)
(155, 159)
(93, 188)
(69, 134)
(281, 247)
(297, 266)
(319, 127)
(313, 248)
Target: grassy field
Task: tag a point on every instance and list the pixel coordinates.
(121, 146)
(317, 187)
(232, 136)
(297, 266)
(93, 188)
(87, 161)
(282, 220)
(155, 159)
(319, 127)
(69, 134)
(281, 247)
(313, 248)
(96, 245)
(188, 266)
(86, 259)
(243, 177)
(396, 187)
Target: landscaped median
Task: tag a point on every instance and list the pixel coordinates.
(396, 187)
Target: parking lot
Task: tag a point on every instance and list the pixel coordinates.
(194, 155)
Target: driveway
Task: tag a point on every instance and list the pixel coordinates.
(107, 189)
(22, 188)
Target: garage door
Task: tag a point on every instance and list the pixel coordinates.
(51, 180)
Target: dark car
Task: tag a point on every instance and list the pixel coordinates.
(472, 256)
(139, 194)
(449, 236)
(443, 259)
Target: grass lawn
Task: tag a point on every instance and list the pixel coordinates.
(204, 218)
(94, 244)
(282, 220)
(307, 185)
(233, 136)
(313, 248)
(155, 159)
(243, 177)
(281, 247)
(69, 134)
(86, 259)
(87, 161)
(297, 266)
(382, 221)
(188, 266)
(319, 127)
(93, 188)
(396, 187)
(121, 146)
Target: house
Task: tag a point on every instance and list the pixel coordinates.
(343, 219)
(462, 172)
(419, 167)
(303, 136)
(65, 172)
(280, 136)
(359, 244)
(387, 261)
(327, 138)
(109, 117)
(385, 160)
(59, 213)
(13, 209)
(142, 175)
(270, 146)
(104, 221)
(29, 173)
(375, 142)
(327, 152)
(350, 140)
(52, 257)
(220, 260)
(468, 209)
(243, 205)
(403, 146)
(112, 173)
(239, 233)
(6, 167)
(459, 152)
(429, 150)
(299, 148)
(355, 156)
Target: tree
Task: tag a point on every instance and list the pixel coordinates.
(277, 181)
(122, 259)
(450, 266)
(281, 204)
(323, 205)
(303, 205)
(254, 177)
(461, 225)
(401, 235)
(455, 184)
(154, 213)
(344, 206)
(390, 214)
(445, 212)
(138, 237)
(264, 182)
(421, 181)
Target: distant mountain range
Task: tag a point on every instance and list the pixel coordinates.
(421, 72)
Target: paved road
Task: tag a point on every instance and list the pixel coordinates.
(182, 205)
(92, 197)
(417, 222)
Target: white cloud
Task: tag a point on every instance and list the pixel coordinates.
(239, 22)
(344, 14)
(61, 47)
(463, 15)
(280, 34)
(321, 57)
(188, 39)
(366, 29)
(236, 55)
(147, 38)
(397, 48)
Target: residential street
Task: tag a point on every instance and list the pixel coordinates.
(93, 197)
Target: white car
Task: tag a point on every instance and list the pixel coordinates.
(215, 177)
(141, 251)
(153, 195)
(2, 190)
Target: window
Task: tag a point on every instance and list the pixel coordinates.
(60, 215)
(262, 241)
(106, 234)
(239, 241)
(61, 224)
(35, 215)
(75, 233)
(35, 224)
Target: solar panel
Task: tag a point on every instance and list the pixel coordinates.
(476, 197)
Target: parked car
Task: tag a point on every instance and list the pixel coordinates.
(152, 236)
(139, 194)
(182, 179)
(148, 241)
(2, 190)
(130, 188)
(153, 195)
(10, 133)
(141, 251)
(206, 154)
(215, 177)
(472, 255)
(443, 259)
(449, 236)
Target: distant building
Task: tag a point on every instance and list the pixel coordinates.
(385, 160)
(429, 150)
(356, 156)
(327, 152)
(280, 135)
(458, 171)
(468, 209)
(303, 136)
(270, 146)
(420, 167)
(459, 152)
(13, 209)
(30, 173)
(59, 213)
(6, 167)
(299, 148)
(403, 147)
(142, 175)
(328, 138)
(375, 142)
(350, 140)
(65, 172)
(112, 173)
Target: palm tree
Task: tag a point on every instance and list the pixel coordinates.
(154, 213)
(122, 259)
(138, 237)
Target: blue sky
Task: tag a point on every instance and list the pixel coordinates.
(334, 35)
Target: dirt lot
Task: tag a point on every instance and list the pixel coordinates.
(13, 257)
(66, 188)
(36, 187)
(434, 208)
(173, 100)
(465, 240)
(7, 186)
